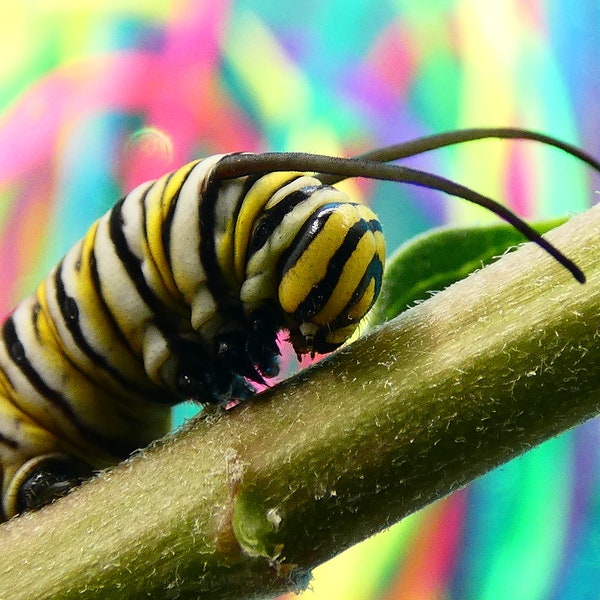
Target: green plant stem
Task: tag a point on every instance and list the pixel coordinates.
(243, 504)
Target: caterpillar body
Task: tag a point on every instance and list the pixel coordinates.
(179, 292)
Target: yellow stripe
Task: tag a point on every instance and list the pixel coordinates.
(93, 311)
(255, 200)
(352, 273)
(158, 202)
(224, 238)
(49, 337)
(360, 308)
(311, 267)
(342, 335)
(5, 385)
(364, 303)
(46, 326)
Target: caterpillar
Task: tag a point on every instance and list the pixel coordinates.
(179, 291)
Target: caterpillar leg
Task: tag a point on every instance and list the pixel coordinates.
(246, 358)
(43, 479)
(240, 353)
(211, 385)
(237, 358)
(251, 353)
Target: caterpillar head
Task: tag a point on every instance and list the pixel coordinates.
(320, 262)
(331, 276)
(320, 258)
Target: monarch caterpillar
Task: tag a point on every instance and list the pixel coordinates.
(179, 291)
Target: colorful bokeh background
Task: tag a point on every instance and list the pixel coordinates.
(99, 95)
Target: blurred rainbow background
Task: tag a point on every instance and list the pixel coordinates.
(99, 95)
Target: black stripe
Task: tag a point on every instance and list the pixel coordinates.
(162, 318)
(10, 442)
(375, 225)
(16, 351)
(35, 315)
(70, 315)
(374, 271)
(208, 255)
(147, 239)
(166, 226)
(304, 238)
(320, 294)
(271, 218)
(107, 313)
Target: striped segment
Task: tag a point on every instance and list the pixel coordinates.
(331, 274)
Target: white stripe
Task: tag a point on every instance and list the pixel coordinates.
(188, 272)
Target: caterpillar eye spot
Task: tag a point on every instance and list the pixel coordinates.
(260, 236)
(70, 309)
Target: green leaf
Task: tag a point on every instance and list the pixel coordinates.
(438, 258)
